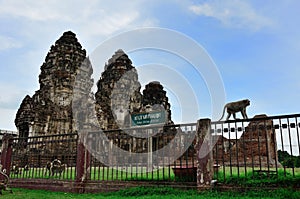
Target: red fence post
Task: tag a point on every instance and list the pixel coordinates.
(6, 152)
(204, 154)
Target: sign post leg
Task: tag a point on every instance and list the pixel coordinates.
(150, 163)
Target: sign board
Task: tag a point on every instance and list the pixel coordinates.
(155, 117)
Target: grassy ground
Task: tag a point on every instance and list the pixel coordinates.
(163, 193)
(120, 173)
(226, 175)
(235, 177)
(101, 173)
(283, 177)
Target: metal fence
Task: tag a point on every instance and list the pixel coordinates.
(149, 154)
(144, 154)
(258, 148)
(32, 156)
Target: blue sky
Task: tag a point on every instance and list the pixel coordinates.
(254, 44)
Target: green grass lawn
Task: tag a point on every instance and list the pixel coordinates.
(283, 177)
(225, 175)
(163, 193)
(256, 183)
(102, 173)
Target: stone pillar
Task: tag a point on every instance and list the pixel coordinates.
(204, 154)
(82, 164)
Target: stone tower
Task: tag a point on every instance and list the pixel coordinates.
(49, 110)
(155, 96)
(118, 92)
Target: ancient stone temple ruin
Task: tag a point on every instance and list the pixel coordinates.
(256, 147)
(65, 83)
(49, 110)
(155, 96)
(118, 94)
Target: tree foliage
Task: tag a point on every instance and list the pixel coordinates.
(288, 160)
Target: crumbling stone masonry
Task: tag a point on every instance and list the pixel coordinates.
(49, 110)
(118, 94)
(256, 147)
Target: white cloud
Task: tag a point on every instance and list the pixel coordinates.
(10, 100)
(232, 13)
(108, 23)
(8, 43)
(92, 17)
(10, 96)
(32, 10)
(7, 117)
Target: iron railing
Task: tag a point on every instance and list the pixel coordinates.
(257, 148)
(145, 153)
(31, 155)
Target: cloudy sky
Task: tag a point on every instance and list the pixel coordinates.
(254, 44)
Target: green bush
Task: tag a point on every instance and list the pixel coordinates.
(288, 160)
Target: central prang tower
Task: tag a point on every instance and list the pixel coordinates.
(118, 93)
